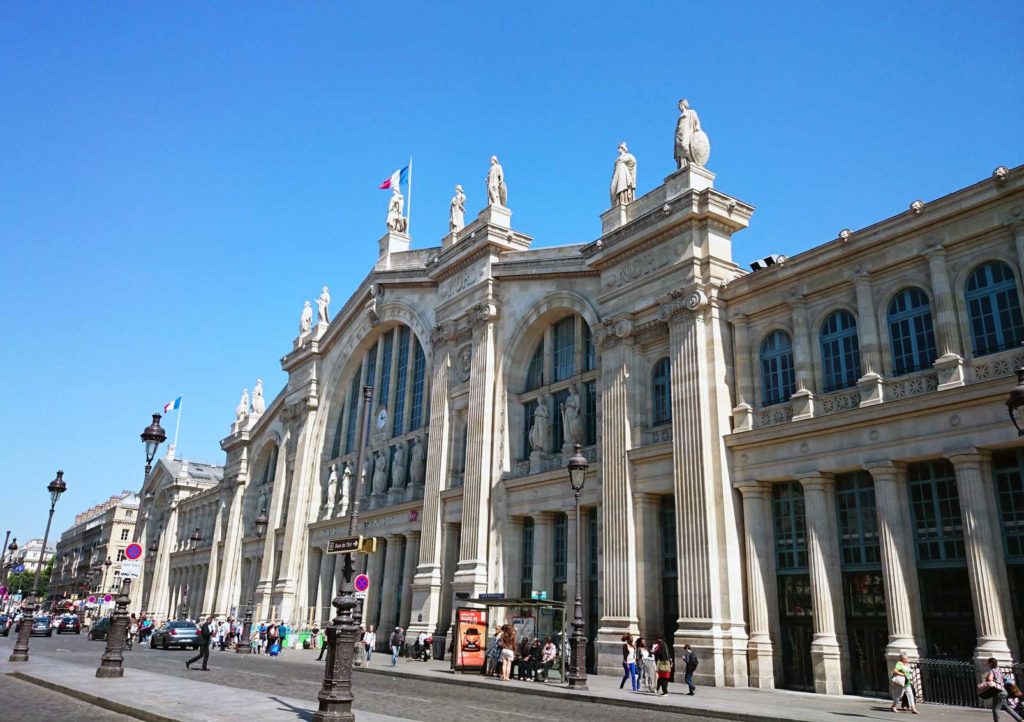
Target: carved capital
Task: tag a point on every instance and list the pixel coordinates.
(442, 333)
(482, 313)
(613, 331)
(679, 302)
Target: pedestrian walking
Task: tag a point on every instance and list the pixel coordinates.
(901, 684)
(494, 655)
(508, 651)
(649, 676)
(273, 640)
(690, 663)
(325, 638)
(395, 643)
(663, 665)
(369, 643)
(205, 635)
(994, 688)
(629, 663)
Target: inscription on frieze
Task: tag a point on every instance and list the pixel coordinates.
(641, 265)
(460, 281)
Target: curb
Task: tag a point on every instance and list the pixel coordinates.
(543, 691)
(93, 699)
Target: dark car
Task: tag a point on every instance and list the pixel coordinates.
(175, 634)
(5, 625)
(99, 629)
(70, 624)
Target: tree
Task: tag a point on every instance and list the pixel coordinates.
(22, 581)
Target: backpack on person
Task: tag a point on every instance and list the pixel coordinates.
(691, 662)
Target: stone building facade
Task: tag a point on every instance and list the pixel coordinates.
(794, 470)
(99, 533)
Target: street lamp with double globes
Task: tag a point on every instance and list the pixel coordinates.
(20, 652)
(577, 676)
(244, 647)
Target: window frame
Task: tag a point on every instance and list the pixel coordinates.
(776, 369)
(840, 351)
(917, 329)
(1007, 333)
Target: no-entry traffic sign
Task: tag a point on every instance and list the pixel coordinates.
(361, 583)
(133, 551)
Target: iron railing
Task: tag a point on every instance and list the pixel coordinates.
(950, 682)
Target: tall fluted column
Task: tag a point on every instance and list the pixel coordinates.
(472, 574)
(324, 611)
(619, 611)
(761, 582)
(743, 413)
(803, 364)
(388, 602)
(899, 570)
(648, 560)
(231, 580)
(160, 588)
(543, 552)
(986, 563)
(826, 584)
(870, 383)
(427, 583)
(512, 549)
(412, 554)
(375, 571)
(950, 362)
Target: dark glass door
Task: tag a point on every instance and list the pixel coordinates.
(797, 631)
(867, 631)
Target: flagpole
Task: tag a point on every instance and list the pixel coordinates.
(408, 206)
(177, 424)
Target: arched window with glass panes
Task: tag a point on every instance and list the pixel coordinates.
(661, 393)
(777, 376)
(994, 308)
(564, 356)
(396, 367)
(911, 336)
(840, 351)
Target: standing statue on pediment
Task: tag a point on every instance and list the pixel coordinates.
(259, 405)
(457, 212)
(572, 417)
(398, 468)
(346, 491)
(322, 313)
(332, 488)
(623, 189)
(540, 431)
(397, 223)
(242, 410)
(418, 464)
(306, 322)
(497, 192)
(692, 144)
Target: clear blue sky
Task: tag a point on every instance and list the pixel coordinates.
(176, 178)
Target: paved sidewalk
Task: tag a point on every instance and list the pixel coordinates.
(729, 703)
(161, 698)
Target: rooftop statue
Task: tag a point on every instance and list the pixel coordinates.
(497, 192)
(457, 213)
(623, 189)
(692, 144)
(322, 315)
(397, 223)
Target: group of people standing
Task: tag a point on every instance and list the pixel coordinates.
(651, 665)
(532, 660)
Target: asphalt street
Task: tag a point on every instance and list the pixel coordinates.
(26, 702)
(297, 674)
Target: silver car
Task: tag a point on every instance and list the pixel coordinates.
(175, 634)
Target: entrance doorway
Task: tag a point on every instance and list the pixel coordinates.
(868, 632)
(797, 631)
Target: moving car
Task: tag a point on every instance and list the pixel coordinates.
(99, 629)
(5, 625)
(40, 627)
(69, 623)
(175, 634)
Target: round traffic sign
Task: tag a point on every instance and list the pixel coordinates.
(362, 583)
(107, 598)
(92, 599)
(133, 551)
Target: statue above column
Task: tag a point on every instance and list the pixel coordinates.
(259, 405)
(623, 189)
(457, 212)
(497, 191)
(692, 144)
(322, 315)
(397, 223)
(306, 321)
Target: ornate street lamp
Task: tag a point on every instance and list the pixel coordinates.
(106, 571)
(577, 676)
(260, 523)
(152, 437)
(195, 538)
(335, 696)
(20, 652)
(11, 550)
(1016, 400)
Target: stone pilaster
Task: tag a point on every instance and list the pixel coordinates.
(803, 364)
(899, 570)
(619, 612)
(648, 560)
(372, 604)
(229, 584)
(426, 586)
(388, 603)
(325, 589)
(870, 383)
(827, 648)
(743, 413)
(412, 555)
(513, 551)
(543, 552)
(986, 563)
(472, 573)
(161, 585)
(950, 363)
(761, 582)
(451, 535)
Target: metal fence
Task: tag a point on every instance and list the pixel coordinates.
(949, 681)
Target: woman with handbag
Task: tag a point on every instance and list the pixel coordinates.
(901, 683)
(663, 664)
(994, 688)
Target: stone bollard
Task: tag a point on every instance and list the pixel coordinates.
(110, 663)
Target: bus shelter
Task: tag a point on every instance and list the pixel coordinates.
(476, 620)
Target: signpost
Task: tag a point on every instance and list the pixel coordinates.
(361, 583)
(348, 544)
(131, 568)
(132, 552)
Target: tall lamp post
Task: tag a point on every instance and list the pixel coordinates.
(9, 562)
(106, 574)
(260, 522)
(577, 676)
(20, 652)
(152, 436)
(335, 696)
(1015, 401)
(154, 547)
(193, 541)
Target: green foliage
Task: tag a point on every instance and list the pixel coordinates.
(23, 581)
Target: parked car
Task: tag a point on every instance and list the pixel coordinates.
(5, 625)
(41, 627)
(175, 634)
(69, 623)
(99, 629)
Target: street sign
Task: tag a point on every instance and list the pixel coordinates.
(360, 595)
(361, 583)
(107, 599)
(18, 568)
(133, 552)
(491, 595)
(91, 599)
(131, 568)
(352, 544)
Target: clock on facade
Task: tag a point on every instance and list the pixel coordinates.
(382, 417)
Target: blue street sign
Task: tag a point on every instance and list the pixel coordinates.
(18, 568)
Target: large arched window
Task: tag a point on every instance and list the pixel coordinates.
(661, 393)
(840, 351)
(777, 378)
(563, 361)
(994, 308)
(910, 331)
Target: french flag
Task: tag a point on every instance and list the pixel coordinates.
(172, 405)
(396, 179)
